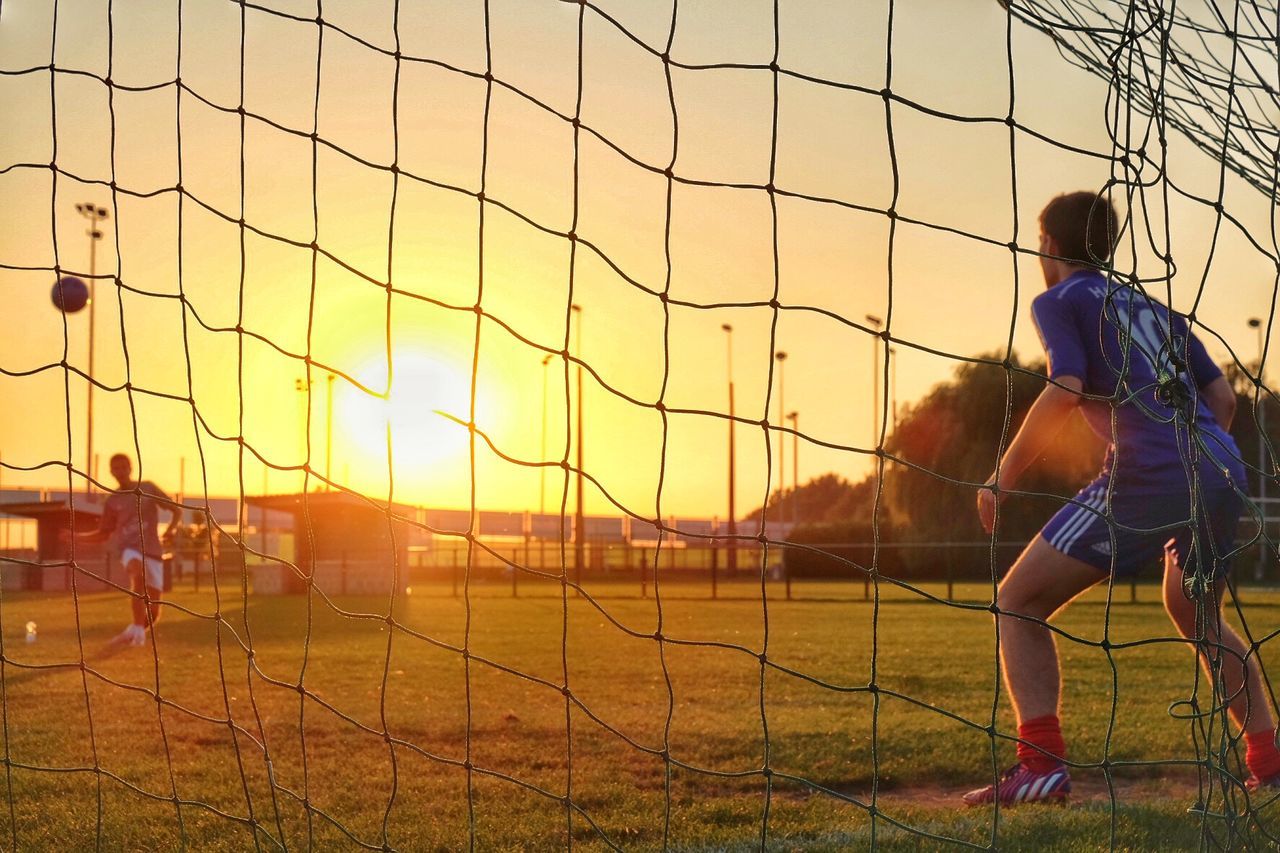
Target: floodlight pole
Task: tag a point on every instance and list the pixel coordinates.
(328, 434)
(876, 323)
(1264, 549)
(579, 519)
(94, 214)
(893, 385)
(794, 417)
(732, 561)
(782, 393)
(304, 386)
(542, 470)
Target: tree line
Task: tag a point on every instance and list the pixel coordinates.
(948, 441)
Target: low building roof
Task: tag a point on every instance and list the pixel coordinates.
(46, 509)
(299, 502)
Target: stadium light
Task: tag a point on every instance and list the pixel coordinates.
(1263, 549)
(94, 214)
(732, 561)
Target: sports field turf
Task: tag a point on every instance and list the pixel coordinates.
(702, 702)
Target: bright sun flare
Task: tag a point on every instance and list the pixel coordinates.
(422, 387)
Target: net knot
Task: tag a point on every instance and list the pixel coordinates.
(1197, 584)
(1172, 391)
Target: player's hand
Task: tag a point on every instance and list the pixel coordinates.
(987, 502)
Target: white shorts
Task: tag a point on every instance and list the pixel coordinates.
(154, 566)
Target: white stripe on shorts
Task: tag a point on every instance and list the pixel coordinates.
(1081, 517)
(1090, 518)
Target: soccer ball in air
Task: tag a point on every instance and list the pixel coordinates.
(70, 294)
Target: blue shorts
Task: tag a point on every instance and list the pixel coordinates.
(1143, 526)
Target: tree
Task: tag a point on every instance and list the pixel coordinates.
(945, 444)
(828, 497)
(951, 439)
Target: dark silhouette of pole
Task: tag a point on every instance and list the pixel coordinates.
(1264, 471)
(94, 214)
(542, 472)
(262, 516)
(732, 561)
(302, 385)
(580, 527)
(893, 385)
(876, 322)
(782, 392)
(794, 417)
(328, 434)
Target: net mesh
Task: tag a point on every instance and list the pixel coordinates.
(255, 736)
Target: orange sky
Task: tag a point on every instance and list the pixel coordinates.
(948, 292)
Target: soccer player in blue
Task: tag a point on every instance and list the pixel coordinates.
(1115, 352)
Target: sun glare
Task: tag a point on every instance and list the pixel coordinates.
(423, 387)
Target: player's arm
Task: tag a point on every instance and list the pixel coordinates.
(175, 512)
(1043, 423)
(1064, 347)
(101, 533)
(96, 535)
(1213, 387)
(1220, 397)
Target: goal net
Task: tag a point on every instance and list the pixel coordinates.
(572, 415)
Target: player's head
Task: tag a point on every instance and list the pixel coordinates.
(121, 468)
(1078, 229)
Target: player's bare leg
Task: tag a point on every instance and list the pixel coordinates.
(1242, 678)
(1240, 673)
(144, 604)
(136, 584)
(1041, 583)
(151, 607)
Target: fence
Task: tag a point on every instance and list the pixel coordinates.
(708, 566)
(713, 570)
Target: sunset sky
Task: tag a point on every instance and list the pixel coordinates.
(947, 292)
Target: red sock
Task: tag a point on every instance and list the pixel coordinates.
(1261, 755)
(1042, 748)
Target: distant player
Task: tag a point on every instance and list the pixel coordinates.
(130, 518)
(1135, 359)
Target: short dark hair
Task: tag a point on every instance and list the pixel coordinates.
(123, 456)
(1084, 225)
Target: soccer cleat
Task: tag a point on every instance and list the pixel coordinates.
(1021, 785)
(137, 635)
(125, 637)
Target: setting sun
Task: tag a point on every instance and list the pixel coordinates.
(423, 386)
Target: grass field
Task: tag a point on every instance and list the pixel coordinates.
(699, 696)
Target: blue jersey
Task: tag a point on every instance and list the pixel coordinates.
(1121, 344)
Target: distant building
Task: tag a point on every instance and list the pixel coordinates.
(348, 544)
(52, 568)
